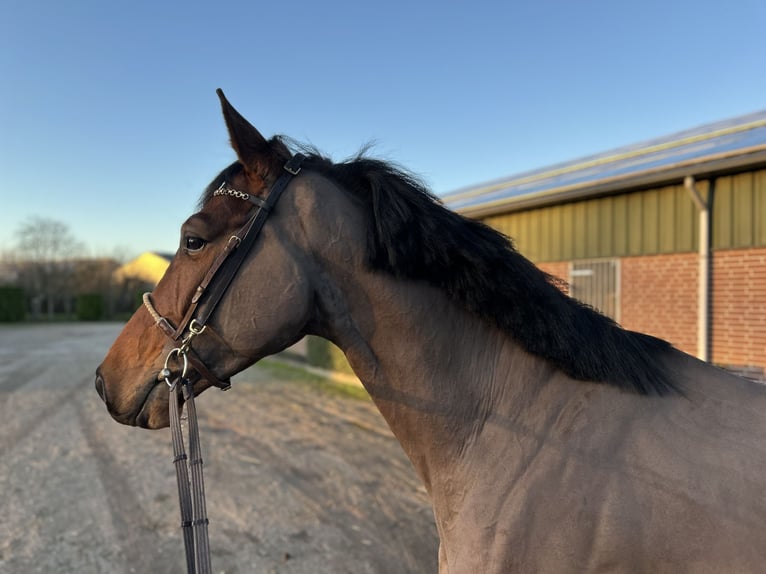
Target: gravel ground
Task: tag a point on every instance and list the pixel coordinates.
(299, 479)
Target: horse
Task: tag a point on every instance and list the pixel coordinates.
(549, 438)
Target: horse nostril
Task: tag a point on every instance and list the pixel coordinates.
(100, 388)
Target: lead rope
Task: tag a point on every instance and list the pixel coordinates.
(182, 477)
(191, 494)
(199, 514)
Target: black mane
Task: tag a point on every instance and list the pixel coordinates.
(412, 235)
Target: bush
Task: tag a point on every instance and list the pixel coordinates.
(322, 353)
(90, 307)
(11, 304)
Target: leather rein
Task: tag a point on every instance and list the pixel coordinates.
(209, 293)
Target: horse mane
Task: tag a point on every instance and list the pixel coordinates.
(412, 235)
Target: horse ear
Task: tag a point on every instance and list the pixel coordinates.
(253, 150)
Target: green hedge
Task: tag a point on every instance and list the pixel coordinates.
(321, 353)
(11, 304)
(90, 307)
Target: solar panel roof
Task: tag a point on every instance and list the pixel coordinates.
(722, 145)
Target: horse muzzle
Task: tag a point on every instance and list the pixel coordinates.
(149, 412)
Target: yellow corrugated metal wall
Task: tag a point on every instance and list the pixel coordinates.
(649, 222)
(739, 211)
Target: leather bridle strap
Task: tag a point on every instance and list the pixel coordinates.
(182, 470)
(191, 493)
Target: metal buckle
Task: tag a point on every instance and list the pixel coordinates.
(292, 170)
(233, 239)
(294, 165)
(196, 328)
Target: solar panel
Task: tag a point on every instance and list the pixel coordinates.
(682, 153)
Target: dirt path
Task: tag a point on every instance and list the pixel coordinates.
(299, 480)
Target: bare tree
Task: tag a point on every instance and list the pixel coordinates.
(46, 249)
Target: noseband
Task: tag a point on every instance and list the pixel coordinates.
(223, 269)
(191, 487)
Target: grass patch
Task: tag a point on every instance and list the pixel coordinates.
(296, 374)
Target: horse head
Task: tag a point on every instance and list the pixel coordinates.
(272, 284)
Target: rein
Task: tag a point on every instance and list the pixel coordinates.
(191, 485)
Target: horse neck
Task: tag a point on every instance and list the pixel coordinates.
(435, 371)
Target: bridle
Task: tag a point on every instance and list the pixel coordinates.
(206, 298)
(224, 268)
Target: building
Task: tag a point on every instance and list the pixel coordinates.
(148, 268)
(667, 236)
(137, 277)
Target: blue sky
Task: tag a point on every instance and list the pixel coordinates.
(109, 120)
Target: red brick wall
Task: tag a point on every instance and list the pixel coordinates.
(659, 297)
(560, 270)
(739, 307)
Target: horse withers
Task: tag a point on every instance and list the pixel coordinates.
(549, 438)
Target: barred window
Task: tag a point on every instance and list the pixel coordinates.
(596, 282)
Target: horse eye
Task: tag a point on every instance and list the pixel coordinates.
(193, 244)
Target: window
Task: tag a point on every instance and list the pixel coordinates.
(596, 283)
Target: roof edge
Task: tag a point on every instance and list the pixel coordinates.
(716, 129)
(716, 165)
